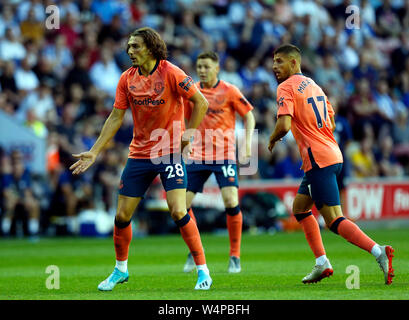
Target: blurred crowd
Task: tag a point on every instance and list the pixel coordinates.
(61, 83)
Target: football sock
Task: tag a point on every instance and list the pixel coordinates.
(6, 225)
(192, 215)
(321, 260)
(122, 239)
(33, 226)
(234, 221)
(122, 265)
(376, 250)
(190, 233)
(312, 232)
(351, 232)
(204, 268)
(72, 225)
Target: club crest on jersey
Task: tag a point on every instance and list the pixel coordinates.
(158, 87)
(219, 99)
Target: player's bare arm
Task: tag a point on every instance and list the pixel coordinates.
(283, 125)
(111, 126)
(200, 105)
(249, 124)
(333, 123)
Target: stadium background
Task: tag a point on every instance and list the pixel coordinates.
(57, 88)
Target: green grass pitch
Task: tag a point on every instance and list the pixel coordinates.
(273, 266)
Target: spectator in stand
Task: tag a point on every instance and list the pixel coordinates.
(387, 21)
(368, 13)
(329, 74)
(65, 200)
(8, 83)
(85, 13)
(59, 56)
(387, 162)
(11, 48)
(349, 58)
(68, 7)
(105, 73)
(45, 73)
(401, 53)
(26, 79)
(70, 30)
(32, 29)
(24, 7)
(365, 69)
(79, 73)
(32, 122)
(403, 14)
(230, 73)
(114, 30)
(107, 177)
(310, 56)
(400, 132)
(249, 74)
(283, 12)
(290, 166)
(19, 199)
(8, 21)
(40, 102)
(363, 108)
(385, 104)
(363, 159)
(107, 9)
(403, 81)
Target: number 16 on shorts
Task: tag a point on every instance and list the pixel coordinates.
(228, 171)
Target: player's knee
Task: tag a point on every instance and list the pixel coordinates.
(300, 209)
(123, 216)
(231, 202)
(177, 215)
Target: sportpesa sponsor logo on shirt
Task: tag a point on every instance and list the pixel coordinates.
(214, 111)
(148, 101)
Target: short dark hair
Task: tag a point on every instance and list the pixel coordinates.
(153, 42)
(288, 49)
(209, 55)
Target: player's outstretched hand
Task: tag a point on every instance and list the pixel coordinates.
(271, 145)
(86, 159)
